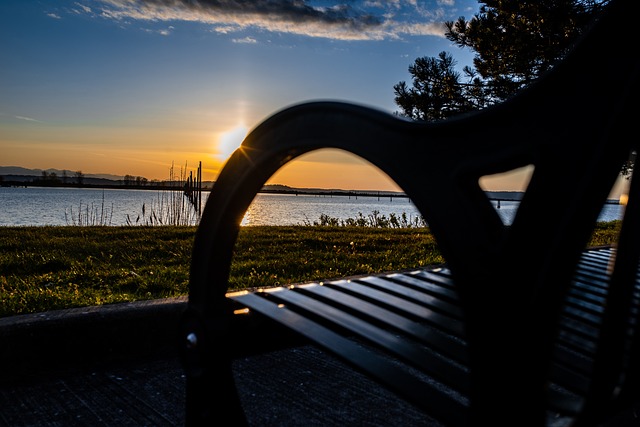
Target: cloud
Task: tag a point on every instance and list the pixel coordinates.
(163, 32)
(84, 8)
(340, 22)
(166, 31)
(54, 15)
(246, 40)
(28, 119)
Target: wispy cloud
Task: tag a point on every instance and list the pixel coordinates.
(54, 15)
(373, 20)
(29, 119)
(163, 32)
(245, 40)
(25, 118)
(83, 8)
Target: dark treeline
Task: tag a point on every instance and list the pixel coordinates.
(53, 180)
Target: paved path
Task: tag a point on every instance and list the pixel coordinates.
(296, 387)
(51, 375)
(48, 379)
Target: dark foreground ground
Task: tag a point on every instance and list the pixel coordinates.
(49, 379)
(49, 376)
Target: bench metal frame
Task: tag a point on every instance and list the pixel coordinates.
(511, 287)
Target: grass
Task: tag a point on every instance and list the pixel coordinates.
(47, 268)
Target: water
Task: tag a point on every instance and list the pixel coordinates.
(62, 206)
(59, 206)
(289, 209)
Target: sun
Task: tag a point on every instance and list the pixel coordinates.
(230, 140)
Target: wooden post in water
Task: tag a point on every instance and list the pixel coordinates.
(193, 189)
(199, 188)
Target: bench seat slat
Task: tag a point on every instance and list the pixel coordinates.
(595, 284)
(438, 285)
(429, 362)
(430, 397)
(394, 303)
(440, 277)
(600, 255)
(579, 329)
(564, 403)
(401, 289)
(584, 311)
(586, 293)
(573, 360)
(426, 334)
(442, 288)
(570, 380)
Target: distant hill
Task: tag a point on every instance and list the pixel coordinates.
(20, 171)
(17, 175)
(27, 179)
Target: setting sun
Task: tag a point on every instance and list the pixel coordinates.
(230, 140)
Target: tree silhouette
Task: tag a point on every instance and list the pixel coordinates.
(514, 41)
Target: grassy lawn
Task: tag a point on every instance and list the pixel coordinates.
(47, 268)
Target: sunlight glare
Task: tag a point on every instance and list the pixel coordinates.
(229, 141)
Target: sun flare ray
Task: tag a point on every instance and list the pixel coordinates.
(230, 140)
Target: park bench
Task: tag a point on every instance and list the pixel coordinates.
(524, 324)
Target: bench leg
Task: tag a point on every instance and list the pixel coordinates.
(211, 394)
(212, 399)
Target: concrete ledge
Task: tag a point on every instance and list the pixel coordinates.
(39, 344)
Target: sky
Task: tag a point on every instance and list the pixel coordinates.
(136, 86)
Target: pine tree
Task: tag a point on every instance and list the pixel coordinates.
(514, 41)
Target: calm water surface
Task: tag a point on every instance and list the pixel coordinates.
(59, 206)
(289, 209)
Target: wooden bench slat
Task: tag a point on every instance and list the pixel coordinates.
(593, 282)
(399, 288)
(599, 255)
(575, 360)
(424, 280)
(585, 312)
(435, 399)
(434, 364)
(407, 299)
(572, 367)
(579, 329)
(567, 373)
(426, 333)
(564, 403)
(394, 303)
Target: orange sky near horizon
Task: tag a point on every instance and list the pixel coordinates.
(328, 168)
(151, 151)
(132, 88)
(155, 153)
(136, 88)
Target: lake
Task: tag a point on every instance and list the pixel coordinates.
(39, 206)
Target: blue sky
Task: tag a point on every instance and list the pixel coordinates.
(130, 86)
